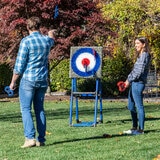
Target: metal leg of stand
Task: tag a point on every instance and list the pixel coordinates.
(76, 99)
(100, 100)
(101, 110)
(71, 109)
(77, 111)
(96, 103)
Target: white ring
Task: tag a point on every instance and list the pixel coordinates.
(79, 64)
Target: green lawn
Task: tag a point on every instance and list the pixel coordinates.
(81, 143)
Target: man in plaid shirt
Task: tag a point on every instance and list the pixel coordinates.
(31, 66)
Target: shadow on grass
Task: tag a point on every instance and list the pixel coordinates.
(152, 119)
(123, 121)
(104, 136)
(64, 114)
(83, 139)
(15, 118)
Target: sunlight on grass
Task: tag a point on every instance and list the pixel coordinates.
(81, 143)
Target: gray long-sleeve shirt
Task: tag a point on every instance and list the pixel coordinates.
(140, 69)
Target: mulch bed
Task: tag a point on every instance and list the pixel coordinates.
(5, 98)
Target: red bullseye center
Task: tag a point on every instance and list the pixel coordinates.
(85, 61)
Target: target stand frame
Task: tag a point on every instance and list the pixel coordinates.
(75, 94)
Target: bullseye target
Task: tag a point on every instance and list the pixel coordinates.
(85, 62)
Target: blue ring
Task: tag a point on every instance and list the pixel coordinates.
(89, 73)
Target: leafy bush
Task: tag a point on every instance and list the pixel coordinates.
(87, 85)
(59, 77)
(113, 70)
(5, 76)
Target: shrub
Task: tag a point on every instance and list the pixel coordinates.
(59, 77)
(5, 76)
(114, 69)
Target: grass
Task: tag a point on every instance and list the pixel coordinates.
(81, 143)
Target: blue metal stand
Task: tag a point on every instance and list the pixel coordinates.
(98, 97)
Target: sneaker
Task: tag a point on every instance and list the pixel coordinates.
(29, 143)
(137, 132)
(39, 144)
(130, 131)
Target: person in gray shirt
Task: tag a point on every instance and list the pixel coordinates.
(136, 80)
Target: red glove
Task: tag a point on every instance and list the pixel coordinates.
(121, 86)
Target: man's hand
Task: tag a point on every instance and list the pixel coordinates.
(12, 86)
(13, 81)
(52, 33)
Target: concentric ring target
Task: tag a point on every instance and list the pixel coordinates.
(85, 62)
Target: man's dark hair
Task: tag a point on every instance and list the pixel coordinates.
(33, 23)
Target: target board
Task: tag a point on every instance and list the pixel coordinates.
(85, 62)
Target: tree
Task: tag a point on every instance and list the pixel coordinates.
(78, 23)
(135, 18)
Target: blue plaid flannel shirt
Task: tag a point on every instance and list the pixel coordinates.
(32, 58)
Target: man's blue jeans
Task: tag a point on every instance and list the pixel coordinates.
(135, 104)
(33, 93)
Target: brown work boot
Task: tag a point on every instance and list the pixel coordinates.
(39, 144)
(29, 143)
